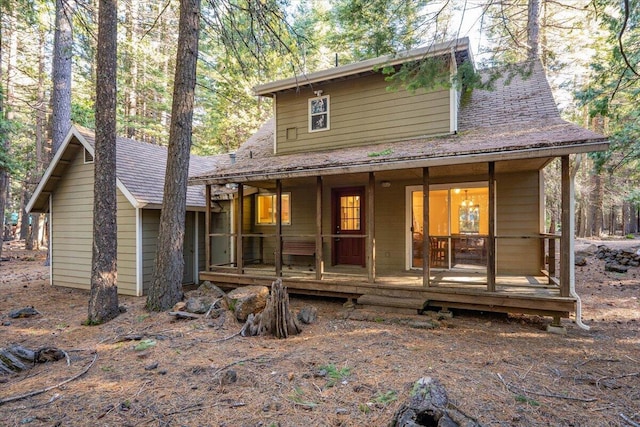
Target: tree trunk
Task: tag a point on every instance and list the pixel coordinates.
(598, 197)
(4, 140)
(61, 74)
(24, 218)
(132, 59)
(103, 301)
(166, 284)
(533, 29)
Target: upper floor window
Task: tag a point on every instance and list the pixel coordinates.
(319, 113)
(266, 209)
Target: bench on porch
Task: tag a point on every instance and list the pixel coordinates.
(299, 247)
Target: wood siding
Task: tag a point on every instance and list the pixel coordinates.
(518, 214)
(362, 111)
(126, 246)
(72, 232)
(150, 227)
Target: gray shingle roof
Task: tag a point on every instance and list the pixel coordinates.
(518, 120)
(141, 169)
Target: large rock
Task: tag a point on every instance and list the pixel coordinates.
(308, 314)
(210, 289)
(247, 300)
(616, 268)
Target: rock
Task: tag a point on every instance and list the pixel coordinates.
(616, 268)
(247, 300)
(151, 367)
(23, 312)
(122, 309)
(228, 377)
(308, 314)
(580, 260)
(618, 260)
(198, 305)
(210, 289)
(179, 306)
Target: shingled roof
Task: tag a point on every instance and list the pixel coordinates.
(140, 170)
(515, 121)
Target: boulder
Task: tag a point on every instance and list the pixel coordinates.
(580, 260)
(247, 300)
(210, 289)
(308, 314)
(616, 268)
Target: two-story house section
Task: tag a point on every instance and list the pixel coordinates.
(408, 198)
(355, 104)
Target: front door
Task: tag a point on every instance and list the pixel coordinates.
(347, 208)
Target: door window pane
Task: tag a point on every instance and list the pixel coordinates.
(350, 213)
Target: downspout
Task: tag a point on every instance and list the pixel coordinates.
(572, 227)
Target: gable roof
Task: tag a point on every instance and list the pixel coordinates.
(518, 120)
(140, 170)
(458, 47)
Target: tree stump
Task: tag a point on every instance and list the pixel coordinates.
(276, 319)
(429, 406)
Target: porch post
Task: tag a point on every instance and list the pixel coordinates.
(426, 247)
(207, 227)
(565, 232)
(319, 258)
(278, 252)
(371, 238)
(239, 220)
(491, 240)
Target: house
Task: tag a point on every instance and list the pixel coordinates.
(407, 199)
(66, 193)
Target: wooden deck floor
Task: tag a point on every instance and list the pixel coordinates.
(463, 288)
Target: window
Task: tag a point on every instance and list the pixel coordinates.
(88, 158)
(319, 113)
(266, 209)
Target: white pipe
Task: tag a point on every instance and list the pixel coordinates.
(572, 227)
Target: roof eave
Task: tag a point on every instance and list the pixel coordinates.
(270, 88)
(584, 147)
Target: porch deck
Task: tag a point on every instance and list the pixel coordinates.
(463, 289)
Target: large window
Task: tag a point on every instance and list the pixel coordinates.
(266, 209)
(458, 225)
(319, 113)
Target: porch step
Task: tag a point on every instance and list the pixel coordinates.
(391, 302)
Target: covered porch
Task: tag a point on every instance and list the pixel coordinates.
(460, 266)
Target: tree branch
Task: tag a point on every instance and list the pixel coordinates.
(624, 27)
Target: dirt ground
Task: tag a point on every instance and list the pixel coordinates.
(499, 370)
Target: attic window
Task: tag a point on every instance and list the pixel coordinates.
(88, 157)
(319, 119)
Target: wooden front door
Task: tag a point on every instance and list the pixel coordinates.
(347, 207)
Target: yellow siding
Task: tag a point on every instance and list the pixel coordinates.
(150, 227)
(72, 232)
(72, 227)
(362, 111)
(126, 246)
(517, 212)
